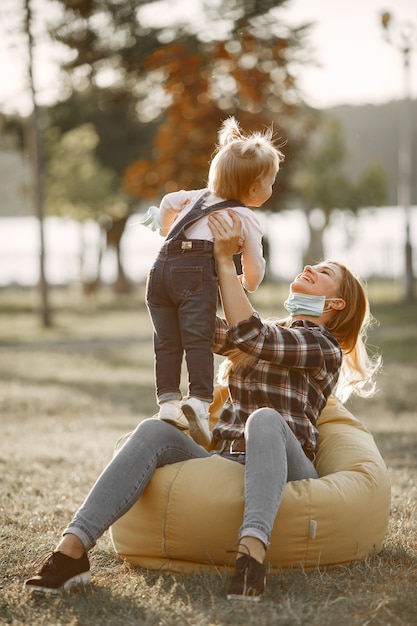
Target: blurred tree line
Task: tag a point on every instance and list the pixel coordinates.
(143, 103)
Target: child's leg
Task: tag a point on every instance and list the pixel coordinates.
(198, 320)
(167, 333)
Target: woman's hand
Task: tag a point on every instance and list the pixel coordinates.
(227, 238)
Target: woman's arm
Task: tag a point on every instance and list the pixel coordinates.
(236, 305)
(303, 346)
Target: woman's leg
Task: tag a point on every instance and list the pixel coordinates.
(153, 444)
(274, 456)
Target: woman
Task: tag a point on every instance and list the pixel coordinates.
(280, 376)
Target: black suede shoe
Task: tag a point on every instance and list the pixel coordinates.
(59, 573)
(248, 582)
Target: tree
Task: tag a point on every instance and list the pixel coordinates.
(119, 138)
(322, 185)
(182, 80)
(122, 137)
(78, 186)
(248, 77)
(188, 78)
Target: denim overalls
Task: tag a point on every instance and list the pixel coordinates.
(181, 297)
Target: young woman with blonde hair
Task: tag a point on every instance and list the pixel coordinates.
(280, 375)
(277, 391)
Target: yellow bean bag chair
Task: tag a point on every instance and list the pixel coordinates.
(190, 513)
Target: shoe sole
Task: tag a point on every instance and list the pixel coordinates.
(79, 580)
(197, 431)
(232, 596)
(173, 422)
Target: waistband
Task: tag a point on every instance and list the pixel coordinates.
(232, 446)
(238, 446)
(187, 245)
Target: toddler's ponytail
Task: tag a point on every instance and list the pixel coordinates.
(229, 131)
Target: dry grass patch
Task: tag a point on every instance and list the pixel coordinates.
(63, 404)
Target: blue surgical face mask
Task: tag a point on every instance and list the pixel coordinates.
(304, 304)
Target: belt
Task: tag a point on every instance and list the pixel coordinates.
(231, 446)
(238, 446)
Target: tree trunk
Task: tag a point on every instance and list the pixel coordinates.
(314, 253)
(114, 234)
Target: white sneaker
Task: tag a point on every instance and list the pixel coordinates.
(171, 412)
(197, 413)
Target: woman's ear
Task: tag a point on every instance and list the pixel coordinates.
(338, 304)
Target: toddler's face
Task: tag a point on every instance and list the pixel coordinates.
(262, 189)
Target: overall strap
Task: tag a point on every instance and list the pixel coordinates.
(195, 213)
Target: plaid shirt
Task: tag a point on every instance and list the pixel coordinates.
(297, 369)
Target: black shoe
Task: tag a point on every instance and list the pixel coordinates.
(59, 573)
(248, 582)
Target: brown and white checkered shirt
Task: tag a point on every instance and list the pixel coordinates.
(297, 369)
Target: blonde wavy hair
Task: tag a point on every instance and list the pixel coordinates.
(350, 327)
(241, 160)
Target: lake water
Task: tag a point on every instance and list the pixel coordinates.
(371, 244)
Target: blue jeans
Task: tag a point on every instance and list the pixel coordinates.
(181, 296)
(273, 456)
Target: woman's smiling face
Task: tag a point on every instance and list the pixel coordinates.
(318, 280)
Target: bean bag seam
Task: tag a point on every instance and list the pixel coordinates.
(167, 507)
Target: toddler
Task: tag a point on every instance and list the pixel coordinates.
(182, 289)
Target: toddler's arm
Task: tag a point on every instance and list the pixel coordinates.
(253, 262)
(171, 206)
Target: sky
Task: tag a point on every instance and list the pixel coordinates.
(357, 65)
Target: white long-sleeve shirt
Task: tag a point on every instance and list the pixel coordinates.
(178, 203)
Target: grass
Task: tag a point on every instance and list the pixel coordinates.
(68, 392)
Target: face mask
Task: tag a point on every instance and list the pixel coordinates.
(305, 304)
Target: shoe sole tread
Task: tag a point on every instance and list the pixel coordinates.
(197, 431)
